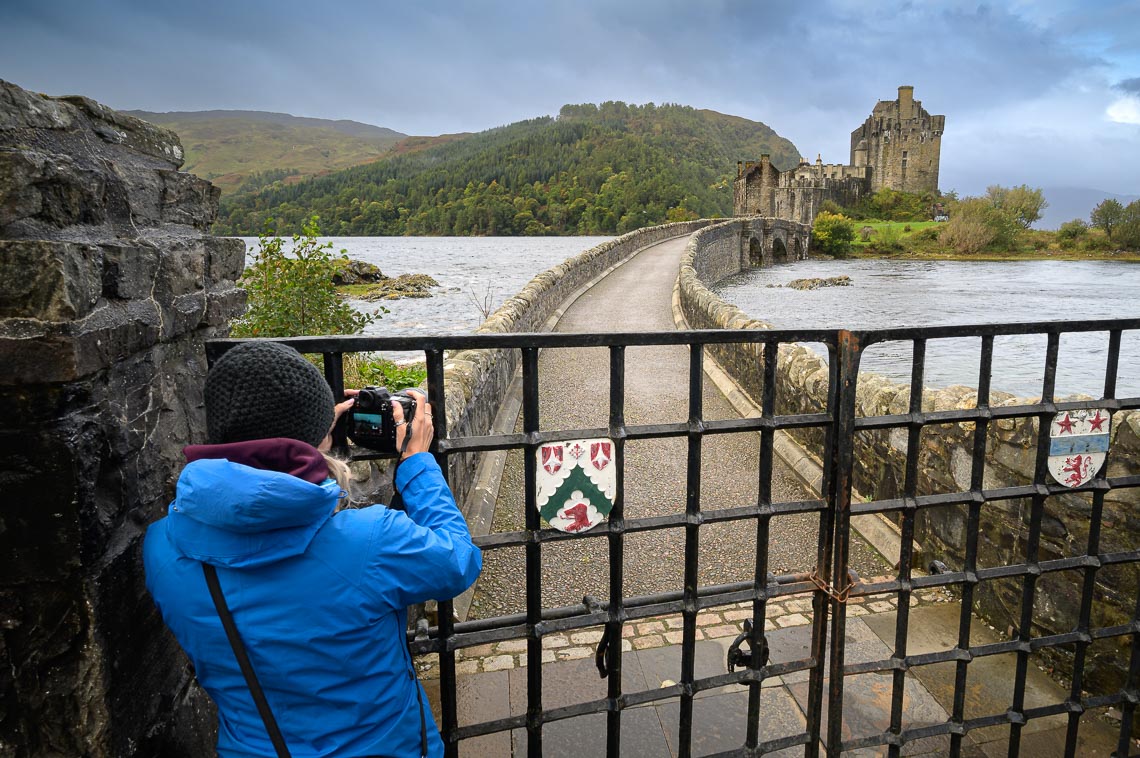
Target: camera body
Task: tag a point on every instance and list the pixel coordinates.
(370, 421)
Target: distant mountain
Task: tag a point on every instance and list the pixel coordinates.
(246, 149)
(1068, 203)
(592, 170)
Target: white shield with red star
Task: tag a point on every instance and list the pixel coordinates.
(576, 483)
(1078, 445)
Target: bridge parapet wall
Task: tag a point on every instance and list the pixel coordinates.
(945, 466)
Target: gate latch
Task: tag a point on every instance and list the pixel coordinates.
(737, 657)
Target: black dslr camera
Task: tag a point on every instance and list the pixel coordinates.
(370, 421)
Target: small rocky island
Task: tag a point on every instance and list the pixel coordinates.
(365, 281)
(814, 283)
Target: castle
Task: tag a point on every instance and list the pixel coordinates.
(897, 148)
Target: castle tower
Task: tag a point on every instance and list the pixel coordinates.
(902, 144)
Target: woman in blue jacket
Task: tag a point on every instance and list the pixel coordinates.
(318, 596)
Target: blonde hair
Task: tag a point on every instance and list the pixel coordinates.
(338, 472)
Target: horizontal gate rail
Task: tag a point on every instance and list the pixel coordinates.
(839, 423)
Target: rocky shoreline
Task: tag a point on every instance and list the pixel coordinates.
(365, 281)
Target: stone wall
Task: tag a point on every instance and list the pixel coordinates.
(944, 467)
(109, 285)
(476, 381)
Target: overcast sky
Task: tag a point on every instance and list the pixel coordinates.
(1045, 92)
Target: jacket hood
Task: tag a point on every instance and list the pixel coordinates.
(230, 514)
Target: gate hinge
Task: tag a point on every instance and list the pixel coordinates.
(737, 657)
(838, 594)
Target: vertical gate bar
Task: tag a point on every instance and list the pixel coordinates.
(1110, 372)
(850, 351)
(447, 683)
(824, 549)
(906, 548)
(617, 552)
(1093, 548)
(533, 556)
(1032, 544)
(692, 543)
(334, 375)
(1113, 365)
(1128, 705)
(764, 500)
(973, 524)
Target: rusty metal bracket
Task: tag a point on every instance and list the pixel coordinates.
(839, 594)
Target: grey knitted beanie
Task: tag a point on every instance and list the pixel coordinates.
(260, 390)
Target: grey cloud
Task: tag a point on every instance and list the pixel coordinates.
(1131, 86)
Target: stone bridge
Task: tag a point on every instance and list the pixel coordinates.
(765, 241)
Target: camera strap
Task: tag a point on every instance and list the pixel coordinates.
(243, 661)
(398, 499)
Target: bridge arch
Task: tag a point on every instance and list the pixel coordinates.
(779, 250)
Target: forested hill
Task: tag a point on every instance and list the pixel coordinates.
(592, 170)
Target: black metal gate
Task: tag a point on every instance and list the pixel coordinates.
(830, 585)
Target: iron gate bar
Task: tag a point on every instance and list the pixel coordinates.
(635, 432)
(838, 423)
(843, 465)
(906, 548)
(652, 523)
(692, 543)
(533, 556)
(757, 645)
(616, 537)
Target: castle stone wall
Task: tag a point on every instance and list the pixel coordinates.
(109, 285)
(944, 466)
(902, 143)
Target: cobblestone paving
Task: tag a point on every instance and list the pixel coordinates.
(724, 622)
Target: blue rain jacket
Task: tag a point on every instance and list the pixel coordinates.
(319, 599)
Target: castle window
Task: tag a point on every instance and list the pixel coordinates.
(904, 159)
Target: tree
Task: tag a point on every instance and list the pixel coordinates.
(976, 224)
(1128, 233)
(292, 295)
(1073, 230)
(832, 233)
(1022, 203)
(1107, 216)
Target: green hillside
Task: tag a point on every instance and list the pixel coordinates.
(244, 149)
(592, 170)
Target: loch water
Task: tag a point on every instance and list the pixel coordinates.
(885, 294)
(473, 273)
(477, 271)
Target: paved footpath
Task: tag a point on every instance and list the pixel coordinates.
(574, 393)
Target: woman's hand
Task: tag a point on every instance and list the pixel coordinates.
(420, 425)
(338, 410)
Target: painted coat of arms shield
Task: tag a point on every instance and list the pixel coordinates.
(1078, 445)
(577, 483)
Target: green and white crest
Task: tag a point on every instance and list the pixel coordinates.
(577, 483)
